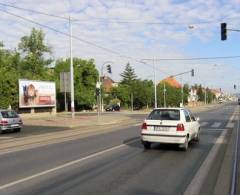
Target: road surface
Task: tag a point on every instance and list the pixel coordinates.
(116, 163)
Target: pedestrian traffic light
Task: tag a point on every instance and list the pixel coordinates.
(223, 31)
(109, 68)
(97, 91)
(192, 72)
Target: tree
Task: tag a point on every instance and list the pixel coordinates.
(128, 75)
(34, 51)
(9, 61)
(200, 93)
(85, 78)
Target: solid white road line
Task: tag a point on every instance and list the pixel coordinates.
(138, 124)
(216, 125)
(195, 186)
(66, 165)
(214, 129)
(230, 125)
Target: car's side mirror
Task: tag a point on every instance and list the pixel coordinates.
(198, 119)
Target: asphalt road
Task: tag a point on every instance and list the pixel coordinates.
(111, 163)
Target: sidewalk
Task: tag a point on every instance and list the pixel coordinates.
(65, 120)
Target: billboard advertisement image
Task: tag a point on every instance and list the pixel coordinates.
(36, 94)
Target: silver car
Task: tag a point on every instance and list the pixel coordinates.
(10, 120)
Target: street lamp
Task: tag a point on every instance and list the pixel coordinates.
(155, 82)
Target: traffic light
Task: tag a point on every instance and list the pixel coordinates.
(97, 91)
(109, 68)
(192, 72)
(234, 86)
(223, 31)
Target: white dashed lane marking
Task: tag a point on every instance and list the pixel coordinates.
(216, 125)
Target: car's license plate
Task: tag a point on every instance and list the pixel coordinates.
(160, 128)
(15, 125)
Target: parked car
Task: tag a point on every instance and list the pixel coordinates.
(170, 125)
(114, 107)
(10, 120)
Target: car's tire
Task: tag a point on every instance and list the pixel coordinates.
(185, 145)
(197, 138)
(18, 130)
(147, 145)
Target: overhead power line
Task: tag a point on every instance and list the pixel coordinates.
(79, 39)
(60, 32)
(34, 11)
(120, 21)
(192, 59)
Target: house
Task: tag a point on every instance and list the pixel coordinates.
(192, 97)
(217, 93)
(172, 82)
(108, 83)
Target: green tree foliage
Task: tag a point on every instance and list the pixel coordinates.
(173, 95)
(85, 78)
(9, 63)
(128, 76)
(200, 93)
(34, 52)
(210, 96)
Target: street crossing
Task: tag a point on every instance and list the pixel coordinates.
(217, 125)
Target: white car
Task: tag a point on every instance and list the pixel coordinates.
(170, 125)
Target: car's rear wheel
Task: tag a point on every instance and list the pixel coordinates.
(197, 138)
(185, 145)
(17, 130)
(147, 145)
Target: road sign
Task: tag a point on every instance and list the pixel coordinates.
(65, 85)
(98, 85)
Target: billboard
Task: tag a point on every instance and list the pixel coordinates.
(36, 94)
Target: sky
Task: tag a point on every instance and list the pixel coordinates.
(135, 30)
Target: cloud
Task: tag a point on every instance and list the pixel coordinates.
(105, 23)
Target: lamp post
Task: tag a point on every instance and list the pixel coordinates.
(155, 82)
(71, 71)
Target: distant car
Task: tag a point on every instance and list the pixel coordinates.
(114, 107)
(220, 100)
(170, 125)
(10, 120)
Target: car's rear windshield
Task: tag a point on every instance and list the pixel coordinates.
(9, 114)
(164, 115)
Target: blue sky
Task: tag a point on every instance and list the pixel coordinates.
(127, 27)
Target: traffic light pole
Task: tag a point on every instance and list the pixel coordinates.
(192, 73)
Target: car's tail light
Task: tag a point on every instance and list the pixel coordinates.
(180, 127)
(3, 122)
(144, 126)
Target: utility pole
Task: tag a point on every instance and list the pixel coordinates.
(71, 71)
(155, 84)
(132, 101)
(164, 93)
(205, 96)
